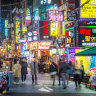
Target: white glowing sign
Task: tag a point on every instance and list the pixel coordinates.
(55, 15)
(45, 2)
(44, 45)
(54, 51)
(30, 34)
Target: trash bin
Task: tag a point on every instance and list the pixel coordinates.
(10, 73)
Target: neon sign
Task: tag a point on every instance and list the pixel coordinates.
(45, 2)
(35, 30)
(6, 27)
(70, 34)
(44, 31)
(28, 16)
(55, 15)
(44, 45)
(54, 28)
(87, 33)
(17, 29)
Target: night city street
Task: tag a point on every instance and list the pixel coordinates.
(48, 47)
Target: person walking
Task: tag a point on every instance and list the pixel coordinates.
(53, 71)
(59, 76)
(23, 70)
(34, 71)
(82, 70)
(70, 72)
(16, 69)
(77, 75)
(63, 71)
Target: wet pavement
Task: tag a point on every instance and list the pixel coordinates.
(44, 87)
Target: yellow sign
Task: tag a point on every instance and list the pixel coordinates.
(90, 39)
(54, 28)
(89, 9)
(63, 28)
(69, 40)
(6, 23)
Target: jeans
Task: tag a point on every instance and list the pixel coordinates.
(77, 79)
(23, 77)
(34, 78)
(63, 80)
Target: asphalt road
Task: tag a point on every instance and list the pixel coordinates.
(47, 94)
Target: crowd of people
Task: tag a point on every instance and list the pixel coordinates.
(65, 72)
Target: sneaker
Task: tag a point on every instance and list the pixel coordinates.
(24, 82)
(17, 83)
(14, 82)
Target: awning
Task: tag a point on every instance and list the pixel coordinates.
(88, 52)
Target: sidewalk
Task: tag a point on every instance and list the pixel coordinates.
(45, 86)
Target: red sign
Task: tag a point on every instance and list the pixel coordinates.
(35, 33)
(72, 4)
(45, 30)
(62, 46)
(85, 31)
(67, 34)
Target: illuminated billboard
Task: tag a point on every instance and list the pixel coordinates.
(28, 16)
(17, 29)
(44, 30)
(70, 35)
(6, 27)
(43, 11)
(89, 9)
(54, 28)
(45, 2)
(55, 15)
(87, 33)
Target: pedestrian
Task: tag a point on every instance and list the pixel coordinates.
(82, 70)
(1, 62)
(70, 72)
(53, 71)
(77, 74)
(34, 71)
(63, 73)
(23, 70)
(59, 76)
(16, 69)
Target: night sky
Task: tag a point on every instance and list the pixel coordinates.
(5, 9)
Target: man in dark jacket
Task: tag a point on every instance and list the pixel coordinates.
(23, 70)
(53, 71)
(63, 71)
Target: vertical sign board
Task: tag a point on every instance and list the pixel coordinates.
(89, 9)
(17, 29)
(44, 30)
(35, 31)
(6, 27)
(54, 28)
(70, 35)
(28, 16)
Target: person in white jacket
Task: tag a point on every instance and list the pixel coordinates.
(34, 71)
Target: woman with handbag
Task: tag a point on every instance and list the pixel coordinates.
(53, 71)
